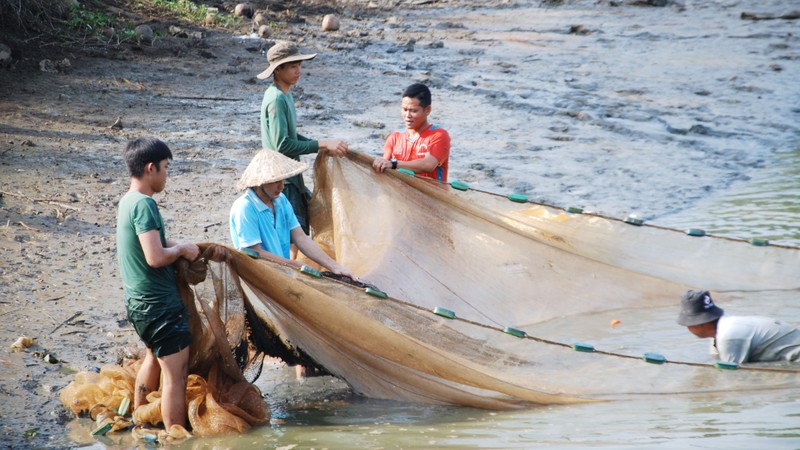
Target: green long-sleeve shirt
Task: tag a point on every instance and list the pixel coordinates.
(279, 129)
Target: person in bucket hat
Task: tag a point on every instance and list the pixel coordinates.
(279, 122)
(738, 339)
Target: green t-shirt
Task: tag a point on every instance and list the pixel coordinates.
(147, 289)
(279, 129)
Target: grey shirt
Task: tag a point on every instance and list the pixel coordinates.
(756, 339)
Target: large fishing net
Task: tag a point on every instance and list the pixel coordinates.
(464, 299)
(514, 273)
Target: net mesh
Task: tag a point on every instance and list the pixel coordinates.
(495, 264)
(219, 398)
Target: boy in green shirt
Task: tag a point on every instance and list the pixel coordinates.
(152, 300)
(279, 123)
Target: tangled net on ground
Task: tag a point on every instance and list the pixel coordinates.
(228, 349)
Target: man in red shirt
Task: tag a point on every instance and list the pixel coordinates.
(422, 147)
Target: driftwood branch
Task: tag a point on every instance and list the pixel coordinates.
(66, 321)
(39, 200)
(29, 228)
(756, 16)
(214, 99)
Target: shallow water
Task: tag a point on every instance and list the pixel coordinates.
(766, 206)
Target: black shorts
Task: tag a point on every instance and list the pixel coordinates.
(299, 201)
(163, 333)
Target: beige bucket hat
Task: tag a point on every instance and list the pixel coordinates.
(269, 166)
(280, 53)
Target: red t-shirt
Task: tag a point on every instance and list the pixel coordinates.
(432, 140)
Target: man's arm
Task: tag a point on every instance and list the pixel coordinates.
(278, 129)
(316, 254)
(427, 164)
(384, 162)
(263, 254)
(439, 151)
(160, 256)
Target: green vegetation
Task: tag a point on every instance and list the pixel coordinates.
(94, 21)
(81, 19)
(191, 11)
(97, 24)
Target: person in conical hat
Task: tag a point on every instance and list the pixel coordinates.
(278, 120)
(262, 219)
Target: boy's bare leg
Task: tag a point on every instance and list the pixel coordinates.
(175, 368)
(146, 379)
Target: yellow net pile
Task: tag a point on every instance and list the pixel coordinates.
(218, 397)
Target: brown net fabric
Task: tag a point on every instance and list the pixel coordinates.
(219, 399)
(496, 264)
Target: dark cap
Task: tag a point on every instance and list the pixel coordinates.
(697, 308)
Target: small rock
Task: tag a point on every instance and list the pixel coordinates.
(449, 25)
(210, 20)
(22, 343)
(49, 66)
(264, 31)
(578, 29)
(244, 10)
(61, 414)
(436, 44)
(177, 31)
(260, 19)
(408, 46)
(358, 33)
(144, 33)
(369, 124)
(330, 23)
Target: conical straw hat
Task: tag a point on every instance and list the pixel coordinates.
(269, 166)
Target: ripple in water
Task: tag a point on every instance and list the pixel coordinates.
(766, 206)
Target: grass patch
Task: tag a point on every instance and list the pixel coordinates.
(93, 22)
(192, 12)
